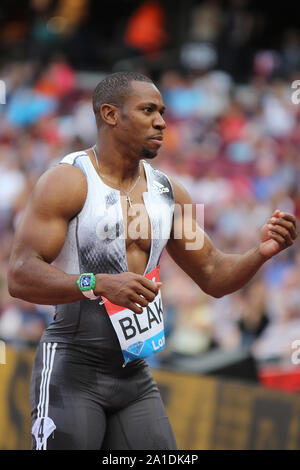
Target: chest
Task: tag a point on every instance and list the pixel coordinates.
(110, 231)
(135, 219)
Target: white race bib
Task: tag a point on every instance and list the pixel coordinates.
(140, 335)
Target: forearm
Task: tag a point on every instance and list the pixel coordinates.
(38, 282)
(232, 271)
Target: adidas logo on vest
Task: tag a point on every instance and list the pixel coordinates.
(159, 188)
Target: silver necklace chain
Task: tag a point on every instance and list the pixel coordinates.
(121, 189)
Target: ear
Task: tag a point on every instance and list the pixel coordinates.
(109, 114)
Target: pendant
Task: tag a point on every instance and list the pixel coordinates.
(129, 201)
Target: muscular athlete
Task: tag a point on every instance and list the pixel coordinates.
(82, 396)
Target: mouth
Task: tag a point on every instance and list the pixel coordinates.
(157, 139)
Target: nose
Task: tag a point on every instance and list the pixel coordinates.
(159, 122)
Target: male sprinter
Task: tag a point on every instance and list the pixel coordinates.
(84, 247)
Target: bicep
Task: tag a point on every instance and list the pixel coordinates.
(58, 196)
(189, 246)
(39, 235)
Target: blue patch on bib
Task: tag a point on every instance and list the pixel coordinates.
(136, 348)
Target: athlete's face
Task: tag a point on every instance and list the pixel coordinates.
(140, 123)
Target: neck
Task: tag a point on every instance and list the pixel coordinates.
(113, 163)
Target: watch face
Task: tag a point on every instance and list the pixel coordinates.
(85, 281)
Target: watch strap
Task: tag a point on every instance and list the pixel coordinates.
(89, 294)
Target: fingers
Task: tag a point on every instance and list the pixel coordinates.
(278, 215)
(150, 285)
(138, 299)
(145, 292)
(143, 296)
(283, 232)
(132, 291)
(283, 241)
(135, 308)
(282, 228)
(148, 294)
(287, 228)
(137, 304)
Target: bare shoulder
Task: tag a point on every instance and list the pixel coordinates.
(181, 195)
(61, 189)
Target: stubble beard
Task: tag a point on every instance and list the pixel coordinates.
(146, 153)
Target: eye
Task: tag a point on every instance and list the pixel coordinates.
(148, 109)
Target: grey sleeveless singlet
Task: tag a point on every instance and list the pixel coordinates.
(95, 242)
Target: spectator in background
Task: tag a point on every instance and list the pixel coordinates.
(145, 30)
(22, 323)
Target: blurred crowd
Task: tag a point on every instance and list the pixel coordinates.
(233, 146)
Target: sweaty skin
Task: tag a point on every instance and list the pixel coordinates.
(126, 135)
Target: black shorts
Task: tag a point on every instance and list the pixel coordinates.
(75, 406)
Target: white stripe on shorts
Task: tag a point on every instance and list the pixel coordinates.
(48, 361)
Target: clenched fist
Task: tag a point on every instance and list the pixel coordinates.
(127, 289)
(278, 233)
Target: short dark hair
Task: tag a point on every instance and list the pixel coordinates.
(114, 88)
